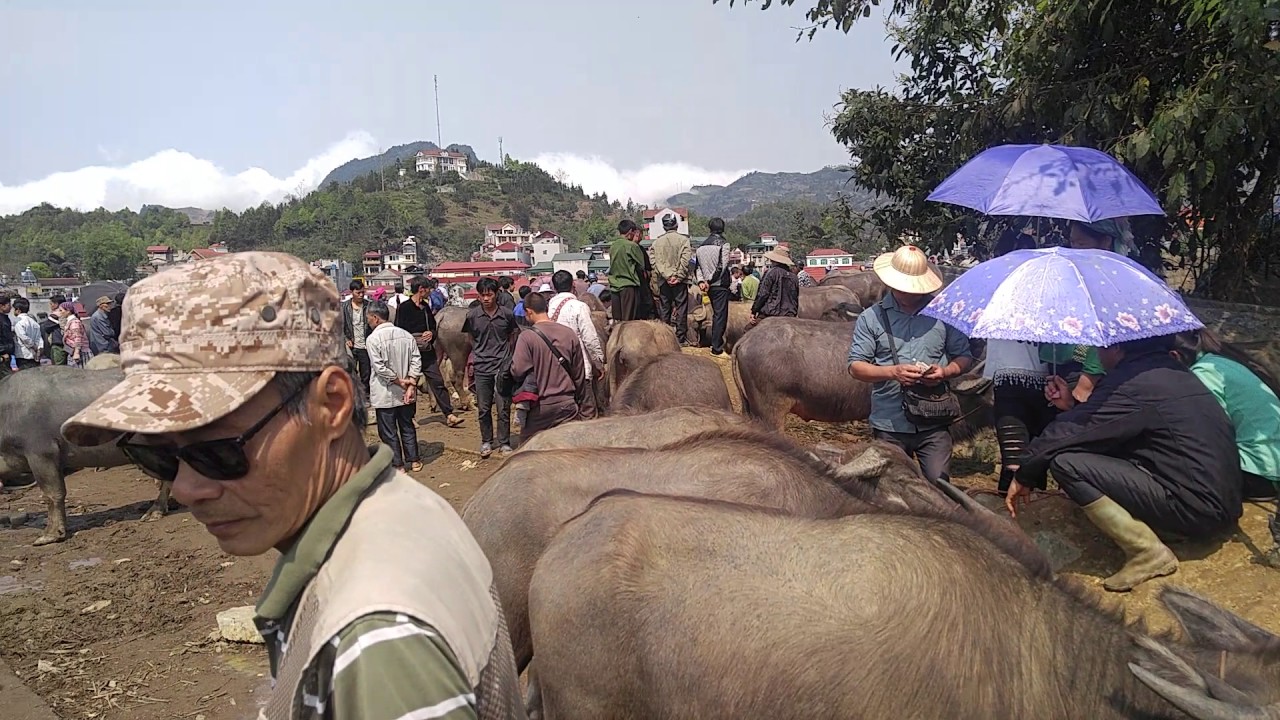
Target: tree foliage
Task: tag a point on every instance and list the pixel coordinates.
(1182, 91)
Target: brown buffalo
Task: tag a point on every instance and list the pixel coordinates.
(652, 430)
(651, 607)
(634, 343)
(867, 288)
(592, 302)
(518, 509)
(670, 381)
(454, 345)
(788, 365)
(735, 328)
(830, 302)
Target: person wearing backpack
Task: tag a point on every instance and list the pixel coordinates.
(550, 355)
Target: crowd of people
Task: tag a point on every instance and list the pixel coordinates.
(58, 336)
(1162, 435)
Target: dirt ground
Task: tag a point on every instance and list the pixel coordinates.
(149, 654)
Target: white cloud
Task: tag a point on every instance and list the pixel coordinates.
(178, 179)
(650, 184)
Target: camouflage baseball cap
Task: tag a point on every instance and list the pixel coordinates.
(201, 339)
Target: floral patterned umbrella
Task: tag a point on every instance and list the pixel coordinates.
(1059, 295)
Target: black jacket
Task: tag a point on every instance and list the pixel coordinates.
(348, 322)
(416, 320)
(6, 335)
(1152, 411)
(778, 294)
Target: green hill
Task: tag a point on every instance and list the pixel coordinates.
(353, 169)
(758, 188)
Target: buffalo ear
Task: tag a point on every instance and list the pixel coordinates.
(1211, 627)
(972, 385)
(1195, 693)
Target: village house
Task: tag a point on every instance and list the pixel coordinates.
(383, 278)
(571, 262)
(454, 272)
(212, 251)
(402, 258)
(496, 234)
(371, 263)
(546, 245)
(754, 252)
(159, 254)
(653, 221)
(339, 271)
(511, 252)
(440, 161)
(829, 258)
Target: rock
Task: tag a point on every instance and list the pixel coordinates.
(44, 666)
(236, 625)
(100, 605)
(16, 563)
(1060, 551)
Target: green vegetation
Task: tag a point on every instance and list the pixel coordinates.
(1183, 91)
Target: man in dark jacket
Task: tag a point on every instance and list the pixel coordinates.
(6, 332)
(1150, 447)
(356, 329)
(414, 316)
(779, 293)
(714, 278)
(116, 316)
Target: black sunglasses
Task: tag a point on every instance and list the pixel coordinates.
(222, 459)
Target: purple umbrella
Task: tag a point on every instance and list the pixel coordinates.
(1057, 181)
(1059, 295)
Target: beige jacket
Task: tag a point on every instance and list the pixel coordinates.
(671, 254)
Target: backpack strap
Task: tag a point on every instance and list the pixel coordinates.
(888, 331)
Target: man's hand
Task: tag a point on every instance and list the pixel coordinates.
(410, 393)
(426, 336)
(906, 374)
(673, 280)
(933, 376)
(752, 322)
(1017, 495)
(1058, 393)
(350, 344)
(702, 285)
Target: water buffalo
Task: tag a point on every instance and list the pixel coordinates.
(518, 509)
(788, 365)
(830, 302)
(103, 362)
(672, 381)
(651, 430)
(648, 607)
(867, 287)
(44, 398)
(633, 343)
(592, 302)
(454, 345)
(735, 328)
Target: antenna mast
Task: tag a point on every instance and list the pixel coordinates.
(502, 159)
(439, 135)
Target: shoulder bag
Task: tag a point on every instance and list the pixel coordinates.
(922, 404)
(564, 365)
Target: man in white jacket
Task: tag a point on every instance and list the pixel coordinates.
(565, 308)
(393, 385)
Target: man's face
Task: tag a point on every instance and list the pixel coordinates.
(372, 320)
(105, 307)
(488, 300)
(268, 506)
(6, 308)
(1081, 240)
(357, 295)
(1110, 357)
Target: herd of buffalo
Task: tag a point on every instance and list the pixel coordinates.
(676, 559)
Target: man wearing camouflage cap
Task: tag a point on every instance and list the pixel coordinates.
(237, 388)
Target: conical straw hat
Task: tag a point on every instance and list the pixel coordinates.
(908, 270)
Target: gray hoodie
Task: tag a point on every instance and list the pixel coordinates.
(713, 261)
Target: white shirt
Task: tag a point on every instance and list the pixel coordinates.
(393, 355)
(566, 309)
(27, 339)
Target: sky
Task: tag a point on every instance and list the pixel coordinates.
(231, 103)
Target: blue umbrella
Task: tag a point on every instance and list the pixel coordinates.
(1057, 181)
(1059, 295)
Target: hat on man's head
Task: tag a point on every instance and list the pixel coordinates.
(779, 255)
(199, 340)
(908, 270)
(670, 221)
(104, 300)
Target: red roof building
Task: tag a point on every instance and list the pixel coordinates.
(817, 273)
(158, 249)
(827, 252)
(204, 253)
(682, 212)
(507, 247)
(464, 271)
